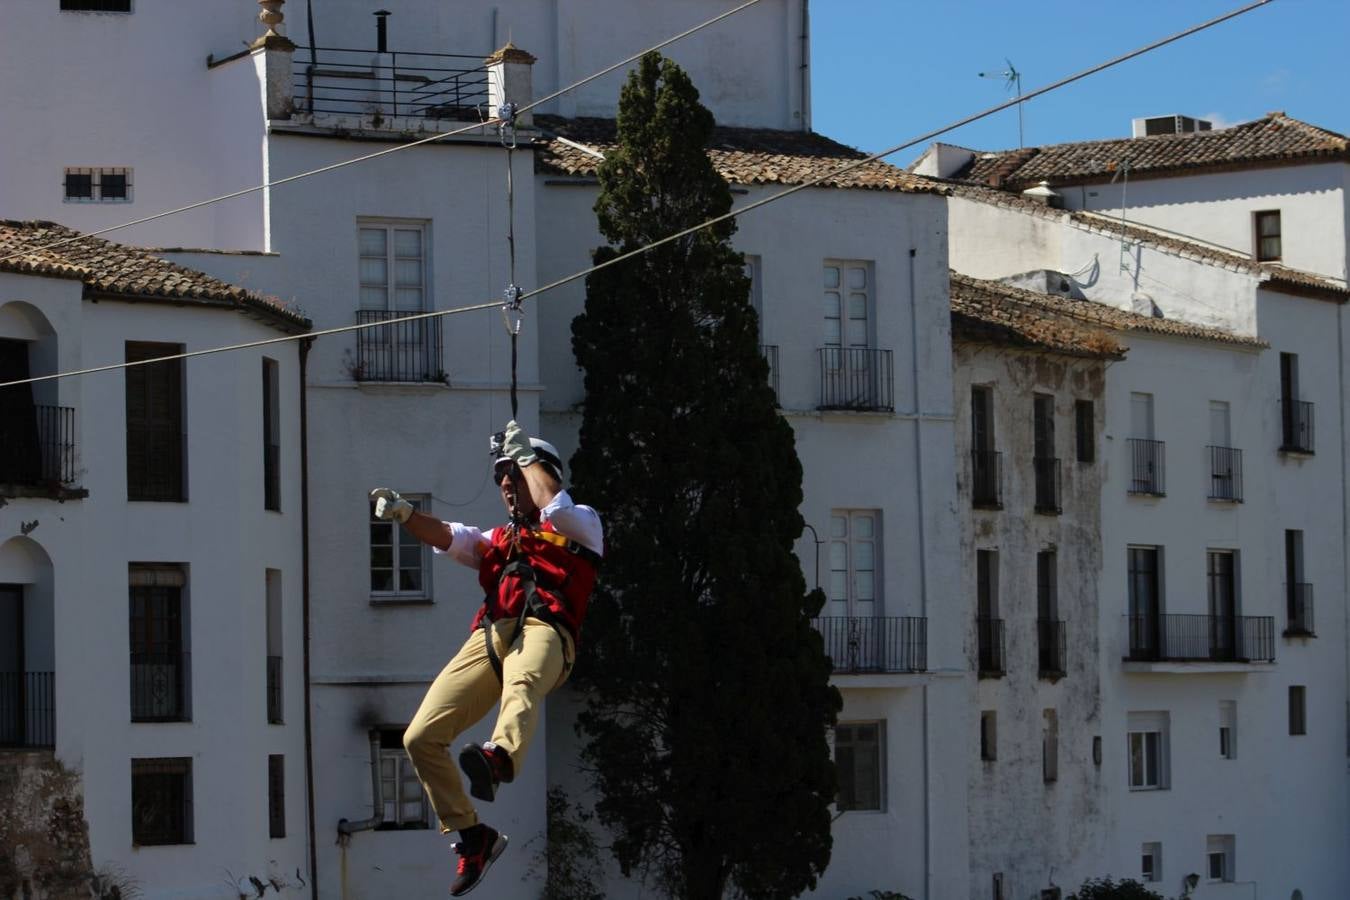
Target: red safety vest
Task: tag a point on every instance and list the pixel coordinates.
(564, 576)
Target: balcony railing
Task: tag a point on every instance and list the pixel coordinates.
(347, 82)
(1047, 484)
(159, 687)
(770, 352)
(1146, 467)
(1300, 607)
(1225, 474)
(1201, 638)
(1052, 649)
(274, 690)
(862, 644)
(402, 351)
(27, 709)
(989, 634)
(40, 450)
(1296, 419)
(986, 479)
(856, 378)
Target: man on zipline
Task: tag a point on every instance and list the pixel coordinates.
(537, 572)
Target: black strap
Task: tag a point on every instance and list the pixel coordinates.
(533, 607)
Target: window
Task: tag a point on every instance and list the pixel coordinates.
(1298, 709)
(1228, 729)
(1296, 415)
(1049, 746)
(155, 434)
(853, 374)
(984, 460)
(988, 626)
(161, 801)
(1146, 454)
(1148, 751)
(1151, 868)
(989, 735)
(1220, 853)
(393, 278)
(1221, 575)
(405, 802)
(97, 185)
(859, 758)
(854, 550)
(274, 645)
(1268, 247)
(160, 675)
(393, 266)
(276, 795)
(1085, 427)
(1298, 593)
(999, 893)
(1049, 630)
(1145, 612)
(848, 301)
(1044, 461)
(399, 563)
(271, 435)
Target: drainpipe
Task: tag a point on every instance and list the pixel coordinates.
(304, 346)
(923, 563)
(1345, 499)
(347, 828)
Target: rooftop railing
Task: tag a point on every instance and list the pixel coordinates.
(348, 82)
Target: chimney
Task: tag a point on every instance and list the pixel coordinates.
(1152, 125)
(1042, 194)
(272, 61)
(510, 80)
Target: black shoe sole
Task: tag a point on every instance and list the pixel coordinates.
(498, 848)
(478, 768)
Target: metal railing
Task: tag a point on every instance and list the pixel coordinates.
(770, 352)
(856, 378)
(155, 461)
(159, 687)
(1052, 650)
(346, 81)
(27, 709)
(1047, 484)
(274, 690)
(40, 450)
(1201, 638)
(865, 644)
(1300, 609)
(986, 479)
(403, 351)
(1296, 419)
(989, 636)
(1146, 467)
(1225, 474)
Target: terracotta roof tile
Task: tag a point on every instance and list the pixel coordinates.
(1272, 139)
(108, 268)
(744, 156)
(992, 310)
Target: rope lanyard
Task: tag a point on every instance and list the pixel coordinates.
(512, 314)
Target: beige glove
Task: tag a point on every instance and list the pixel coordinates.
(389, 506)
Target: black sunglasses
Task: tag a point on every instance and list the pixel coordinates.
(502, 466)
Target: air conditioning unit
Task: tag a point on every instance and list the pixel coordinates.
(1152, 125)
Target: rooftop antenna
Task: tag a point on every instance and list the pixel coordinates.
(1012, 79)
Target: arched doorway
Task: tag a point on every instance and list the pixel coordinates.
(27, 646)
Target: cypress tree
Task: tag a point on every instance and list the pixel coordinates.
(708, 696)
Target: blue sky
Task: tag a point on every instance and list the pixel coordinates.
(886, 71)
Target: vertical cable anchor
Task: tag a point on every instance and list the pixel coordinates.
(506, 113)
(512, 313)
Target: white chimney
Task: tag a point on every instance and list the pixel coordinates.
(510, 80)
(1042, 194)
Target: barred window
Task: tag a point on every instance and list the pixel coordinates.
(98, 185)
(161, 801)
(405, 802)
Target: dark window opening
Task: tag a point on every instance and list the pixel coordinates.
(276, 795)
(1268, 242)
(1084, 420)
(161, 801)
(79, 187)
(155, 435)
(1298, 709)
(271, 436)
(159, 661)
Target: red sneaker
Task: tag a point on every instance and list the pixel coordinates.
(487, 767)
(474, 861)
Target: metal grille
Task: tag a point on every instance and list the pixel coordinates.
(1225, 474)
(39, 449)
(403, 351)
(27, 709)
(346, 81)
(159, 687)
(1052, 648)
(1146, 466)
(161, 801)
(1202, 638)
(989, 633)
(862, 644)
(1300, 610)
(1047, 484)
(986, 479)
(1297, 419)
(274, 690)
(856, 378)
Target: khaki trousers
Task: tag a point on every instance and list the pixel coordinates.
(466, 690)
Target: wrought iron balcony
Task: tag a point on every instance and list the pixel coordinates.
(159, 687)
(770, 352)
(27, 709)
(1225, 474)
(986, 479)
(989, 635)
(860, 645)
(348, 82)
(39, 450)
(1047, 485)
(401, 351)
(1146, 467)
(1296, 419)
(856, 378)
(1201, 638)
(1052, 649)
(274, 690)
(1300, 607)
